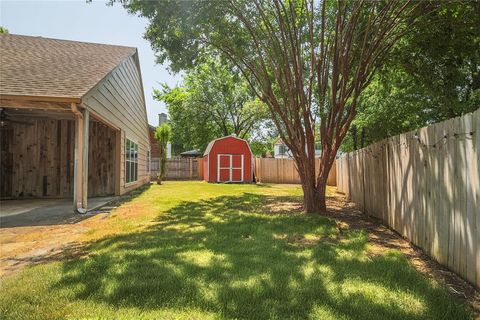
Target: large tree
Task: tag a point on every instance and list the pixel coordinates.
(214, 100)
(307, 60)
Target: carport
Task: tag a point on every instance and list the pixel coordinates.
(54, 153)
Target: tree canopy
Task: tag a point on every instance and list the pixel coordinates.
(213, 101)
(432, 74)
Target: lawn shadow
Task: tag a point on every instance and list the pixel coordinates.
(249, 257)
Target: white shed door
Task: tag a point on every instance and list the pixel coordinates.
(230, 168)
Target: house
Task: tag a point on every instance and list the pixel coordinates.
(228, 159)
(73, 120)
(281, 150)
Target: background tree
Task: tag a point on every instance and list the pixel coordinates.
(433, 74)
(3, 30)
(214, 100)
(307, 60)
(163, 134)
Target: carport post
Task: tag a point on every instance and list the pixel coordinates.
(80, 191)
(86, 130)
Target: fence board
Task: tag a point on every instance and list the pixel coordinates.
(179, 168)
(425, 185)
(476, 188)
(471, 181)
(274, 170)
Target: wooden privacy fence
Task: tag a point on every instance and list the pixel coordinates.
(273, 170)
(179, 168)
(425, 185)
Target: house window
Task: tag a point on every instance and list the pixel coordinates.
(131, 161)
(282, 150)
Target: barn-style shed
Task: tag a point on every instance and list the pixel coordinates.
(228, 159)
(73, 122)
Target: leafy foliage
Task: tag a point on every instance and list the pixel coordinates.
(213, 101)
(3, 30)
(433, 74)
(163, 134)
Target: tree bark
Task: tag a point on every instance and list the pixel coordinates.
(313, 200)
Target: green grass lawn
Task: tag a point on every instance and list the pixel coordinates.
(191, 250)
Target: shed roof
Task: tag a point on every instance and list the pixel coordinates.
(43, 67)
(210, 145)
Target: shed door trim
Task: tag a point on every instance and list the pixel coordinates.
(230, 167)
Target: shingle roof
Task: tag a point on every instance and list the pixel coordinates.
(42, 67)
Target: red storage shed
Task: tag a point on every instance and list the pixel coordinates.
(228, 159)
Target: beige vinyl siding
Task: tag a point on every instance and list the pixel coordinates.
(119, 100)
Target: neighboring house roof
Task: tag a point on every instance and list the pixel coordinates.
(191, 153)
(279, 141)
(42, 67)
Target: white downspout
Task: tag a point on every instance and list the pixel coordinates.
(78, 164)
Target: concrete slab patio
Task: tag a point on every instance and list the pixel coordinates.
(36, 230)
(43, 212)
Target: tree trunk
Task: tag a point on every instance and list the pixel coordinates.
(315, 186)
(159, 177)
(313, 200)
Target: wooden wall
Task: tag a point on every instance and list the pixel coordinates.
(101, 160)
(425, 184)
(275, 170)
(37, 160)
(119, 100)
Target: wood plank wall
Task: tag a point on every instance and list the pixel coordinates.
(274, 170)
(37, 160)
(424, 184)
(101, 160)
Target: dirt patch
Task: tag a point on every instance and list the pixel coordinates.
(273, 206)
(382, 238)
(23, 246)
(27, 245)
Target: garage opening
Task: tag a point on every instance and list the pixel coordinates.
(38, 156)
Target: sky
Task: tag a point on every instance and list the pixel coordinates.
(91, 22)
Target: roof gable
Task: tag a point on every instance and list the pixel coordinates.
(212, 143)
(42, 67)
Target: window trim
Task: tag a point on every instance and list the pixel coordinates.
(134, 161)
(149, 159)
(281, 148)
